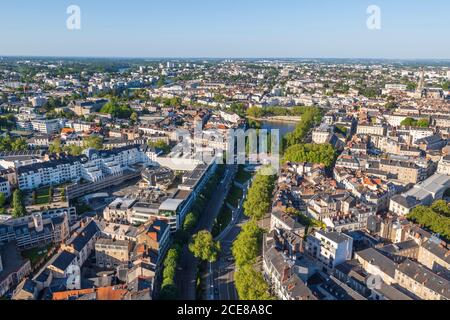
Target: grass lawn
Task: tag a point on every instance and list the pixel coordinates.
(36, 254)
(243, 176)
(235, 196)
(222, 221)
(42, 196)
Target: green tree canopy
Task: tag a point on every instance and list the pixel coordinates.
(250, 284)
(310, 117)
(161, 145)
(2, 199)
(259, 196)
(410, 122)
(246, 247)
(313, 153)
(18, 207)
(56, 146)
(190, 222)
(204, 247)
(7, 143)
(94, 142)
(116, 110)
(436, 218)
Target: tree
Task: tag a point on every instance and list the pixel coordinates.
(204, 247)
(12, 144)
(310, 117)
(250, 284)
(313, 153)
(116, 110)
(134, 117)
(258, 200)
(161, 145)
(423, 123)
(391, 105)
(2, 200)
(411, 86)
(441, 207)
(435, 218)
(74, 150)
(55, 146)
(246, 247)
(18, 207)
(169, 290)
(94, 142)
(19, 145)
(190, 222)
(410, 122)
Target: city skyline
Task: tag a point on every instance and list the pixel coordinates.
(295, 29)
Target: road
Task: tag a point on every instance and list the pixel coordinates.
(222, 276)
(224, 269)
(186, 276)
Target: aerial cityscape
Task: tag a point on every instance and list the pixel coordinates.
(223, 179)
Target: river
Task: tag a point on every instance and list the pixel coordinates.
(284, 127)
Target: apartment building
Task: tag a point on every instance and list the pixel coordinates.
(155, 235)
(39, 229)
(112, 253)
(424, 194)
(371, 130)
(435, 255)
(82, 241)
(285, 274)
(377, 264)
(322, 134)
(93, 166)
(405, 171)
(282, 221)
(119, 210)
(13, 267)
(422, 282)
(444, 166)
(82, 108)
(46, 126)
(50, 173)
(329, 248)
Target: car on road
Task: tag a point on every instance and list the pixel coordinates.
(230, 259)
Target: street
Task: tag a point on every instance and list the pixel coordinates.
(223, 270)
(186, 276)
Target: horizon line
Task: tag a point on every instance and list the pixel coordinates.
(220, 58)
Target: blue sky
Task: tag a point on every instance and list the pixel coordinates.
(227, 28)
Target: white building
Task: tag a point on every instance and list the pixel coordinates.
(92, 166)
(444, 166)
(233, 118)
(423, 194)
(46, 126)
(371, 130)
(329, 248)
(322, 134)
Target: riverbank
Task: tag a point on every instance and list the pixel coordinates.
(278, 119)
